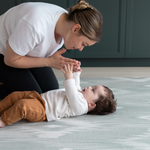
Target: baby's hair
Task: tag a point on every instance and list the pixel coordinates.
(106, 104)
(89, 18)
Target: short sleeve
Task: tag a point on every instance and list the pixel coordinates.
(24, 38)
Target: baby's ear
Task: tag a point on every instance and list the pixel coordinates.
(91, 105)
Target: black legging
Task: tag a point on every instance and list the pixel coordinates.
(14, 79)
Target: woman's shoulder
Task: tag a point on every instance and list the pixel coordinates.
(40, 7)
(35, 12)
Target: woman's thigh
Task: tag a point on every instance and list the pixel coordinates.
(15, 79)
(38, 79)
(45, 78)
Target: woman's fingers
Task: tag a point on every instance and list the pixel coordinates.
(61, 51)
(69, 61)
(57, 61)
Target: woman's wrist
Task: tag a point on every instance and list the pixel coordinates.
(47, 62)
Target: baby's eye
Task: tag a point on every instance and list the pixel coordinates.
(93, 90)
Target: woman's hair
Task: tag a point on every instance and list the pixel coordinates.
(106, 104)
(89, 18)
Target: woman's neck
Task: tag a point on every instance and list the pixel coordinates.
(63, 26)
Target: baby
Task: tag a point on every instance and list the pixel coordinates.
(56, 104)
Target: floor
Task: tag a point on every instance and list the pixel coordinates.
(111, 72)
(126, 129)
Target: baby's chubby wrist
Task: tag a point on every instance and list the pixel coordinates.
(68, 76)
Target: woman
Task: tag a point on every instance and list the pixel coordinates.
(31, 34)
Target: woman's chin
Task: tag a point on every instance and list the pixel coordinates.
(69, 48)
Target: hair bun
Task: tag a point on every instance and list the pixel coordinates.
(82, 5)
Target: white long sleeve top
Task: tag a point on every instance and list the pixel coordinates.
(67, 102)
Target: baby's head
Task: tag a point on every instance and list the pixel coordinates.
(100, 100)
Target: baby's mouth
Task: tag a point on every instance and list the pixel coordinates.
(83, 90)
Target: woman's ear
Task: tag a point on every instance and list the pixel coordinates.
(76, 28)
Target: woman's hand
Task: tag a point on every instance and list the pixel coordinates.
(67, 70)
(77, 69)
(57, 61)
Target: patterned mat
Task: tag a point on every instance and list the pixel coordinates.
(127, 129)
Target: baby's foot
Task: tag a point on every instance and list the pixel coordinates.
(2, 124)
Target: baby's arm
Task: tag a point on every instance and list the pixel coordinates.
(67, 71)
(77, 71)
(75, 99)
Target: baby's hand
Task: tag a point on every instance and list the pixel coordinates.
(77, 69)
(67, 70)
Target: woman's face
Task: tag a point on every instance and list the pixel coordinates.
(75, 41)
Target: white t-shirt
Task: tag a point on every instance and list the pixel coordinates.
(29, 29)
(68, 102)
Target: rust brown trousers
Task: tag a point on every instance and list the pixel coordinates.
(17, 105)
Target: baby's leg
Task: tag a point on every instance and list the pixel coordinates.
(11, 99)
(29, 109)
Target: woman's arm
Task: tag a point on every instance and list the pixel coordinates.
(55, 61)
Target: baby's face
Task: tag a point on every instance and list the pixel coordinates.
(91, 94)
